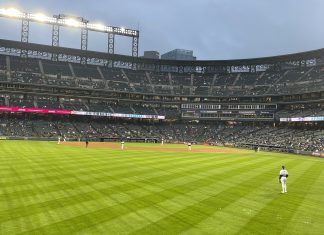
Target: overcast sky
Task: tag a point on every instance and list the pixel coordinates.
(213, 29)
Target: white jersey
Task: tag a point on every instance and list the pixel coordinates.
(283, 173)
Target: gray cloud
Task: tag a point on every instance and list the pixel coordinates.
(214, 29)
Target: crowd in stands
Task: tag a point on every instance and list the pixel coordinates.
(270, 82)
(286, 137)
(283, 137)
(315, 112)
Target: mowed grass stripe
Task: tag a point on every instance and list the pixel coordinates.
(70, 201)
(75, 167)
(157, 212)
(124, 187)
(146, 199)
(242, 210)
(77, 163)
(130, 209)
(116, 187)
(85, 154)
(64, 183)
(193, 214)
(310, 214)
(109, 169)
(281, 208)
(92, 173)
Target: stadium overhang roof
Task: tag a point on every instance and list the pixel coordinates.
(9, 46)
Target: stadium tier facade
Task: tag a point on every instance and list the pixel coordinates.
(274, 102)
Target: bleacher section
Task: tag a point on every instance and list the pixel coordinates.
(286, 137)
(303, 79)
(55, 68)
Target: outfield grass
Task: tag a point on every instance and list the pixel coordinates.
(54, 189)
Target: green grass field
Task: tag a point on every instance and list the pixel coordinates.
(54, 189)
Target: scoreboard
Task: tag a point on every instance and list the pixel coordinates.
(234, 112)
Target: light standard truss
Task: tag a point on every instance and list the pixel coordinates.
(74, 22)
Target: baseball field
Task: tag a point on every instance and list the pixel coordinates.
(48, 188)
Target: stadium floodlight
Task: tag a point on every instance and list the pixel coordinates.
(76, 22)
(41, 17)
(68, 21)
(11, 12)
(99, 27)
(72, 22)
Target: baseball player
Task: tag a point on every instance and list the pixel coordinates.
(189, 146)
(87, 142)
(283, 175)
(122, 144)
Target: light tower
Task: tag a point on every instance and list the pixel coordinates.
(62, 20)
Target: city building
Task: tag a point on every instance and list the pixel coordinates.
(151, 55)
(178, 54)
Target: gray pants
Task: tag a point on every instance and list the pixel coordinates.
(283, 181)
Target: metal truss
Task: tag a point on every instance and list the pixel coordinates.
(84, 44)
(24, 35)
(111, 43)
(55, 39)
(135, 46)
(24, 30)
(55, 35)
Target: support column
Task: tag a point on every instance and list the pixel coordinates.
(111, 43)
(135, 46)
(84, 44)
(55, 39)
(24, 35)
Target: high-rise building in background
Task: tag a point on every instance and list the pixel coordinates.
(178, 54)
(151, 54)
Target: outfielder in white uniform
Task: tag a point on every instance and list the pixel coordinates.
(122, 145)
(189, 146)
(283, 175)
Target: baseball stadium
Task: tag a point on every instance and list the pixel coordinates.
(103, 143)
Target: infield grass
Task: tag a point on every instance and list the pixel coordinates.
(54, 189)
